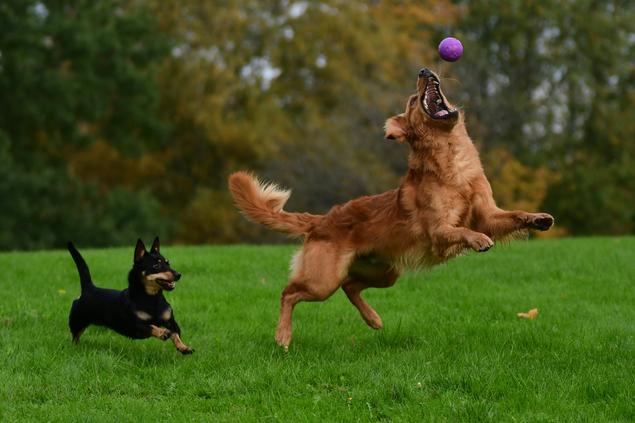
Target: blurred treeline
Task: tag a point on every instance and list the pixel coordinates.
(122, 118)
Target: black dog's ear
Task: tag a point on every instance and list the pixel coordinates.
(139, 251)
(155, 245)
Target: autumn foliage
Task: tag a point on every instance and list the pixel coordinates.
(122, 119)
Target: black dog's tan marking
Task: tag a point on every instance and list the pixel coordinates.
(180, 345)
(161, 333)
(139, 312)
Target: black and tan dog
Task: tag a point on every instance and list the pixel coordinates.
(139, 312)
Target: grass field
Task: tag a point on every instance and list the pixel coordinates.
(452, 348)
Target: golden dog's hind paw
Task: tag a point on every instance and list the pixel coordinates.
(283, 338)
(373, 320)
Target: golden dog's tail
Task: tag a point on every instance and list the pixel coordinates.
(262, 202)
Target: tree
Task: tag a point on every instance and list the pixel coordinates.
(72, 73)
(297, 91)
(552, 82)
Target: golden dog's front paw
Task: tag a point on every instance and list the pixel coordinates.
(540, 221)
(480, 242)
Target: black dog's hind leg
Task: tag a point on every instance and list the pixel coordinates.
(77, 332)
(77, 322)
(176, 336)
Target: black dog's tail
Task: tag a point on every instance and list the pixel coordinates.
(82, 268)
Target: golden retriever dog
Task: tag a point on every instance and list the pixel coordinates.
(443, 206)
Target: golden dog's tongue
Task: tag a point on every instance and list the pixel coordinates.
(441, 113)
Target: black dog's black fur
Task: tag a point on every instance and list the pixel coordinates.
(138, 312)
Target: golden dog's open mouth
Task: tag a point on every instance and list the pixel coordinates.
(433, 101)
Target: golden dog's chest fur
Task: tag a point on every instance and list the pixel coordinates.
(396, 225)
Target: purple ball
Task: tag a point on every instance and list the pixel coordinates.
(450, 49)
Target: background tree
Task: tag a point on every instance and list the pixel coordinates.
(552, 82)
(297, 91)
(124, 117)
(74, 74)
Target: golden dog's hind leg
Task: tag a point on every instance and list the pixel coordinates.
(353, 290)
(319, 271)
(292, 294)
(368, 276)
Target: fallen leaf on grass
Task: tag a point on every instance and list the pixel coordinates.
(531, 314)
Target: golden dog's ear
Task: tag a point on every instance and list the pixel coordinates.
(395, 128)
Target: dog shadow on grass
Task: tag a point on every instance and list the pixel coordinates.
(102, 344)
(138, 353)
(362, 345)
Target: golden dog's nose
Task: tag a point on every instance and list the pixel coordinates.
(425, 73)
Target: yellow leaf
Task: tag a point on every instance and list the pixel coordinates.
(531, 314)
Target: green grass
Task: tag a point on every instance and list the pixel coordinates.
(452, 348)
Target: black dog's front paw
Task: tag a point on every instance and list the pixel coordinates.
(161, 333)
(186, 350)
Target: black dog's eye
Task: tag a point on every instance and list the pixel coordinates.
(155, 266)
